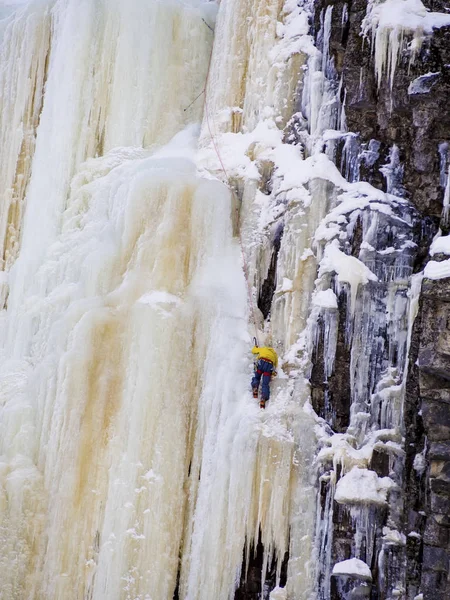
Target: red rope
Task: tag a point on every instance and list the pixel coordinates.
(246, 271)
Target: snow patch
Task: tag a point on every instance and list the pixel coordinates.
(437, 270)
(286, 286)
(393, 537)
(349, 269)
(161, 301)
(440, 245)
(325, 299)
(278, 594)
(362, 486)
(420, 463)
(354, 567)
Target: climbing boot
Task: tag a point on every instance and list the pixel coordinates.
(262, 403)
(255, 392)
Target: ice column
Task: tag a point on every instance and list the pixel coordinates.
(24, 48)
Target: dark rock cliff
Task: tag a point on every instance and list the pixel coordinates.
(418, 124)
(398, 140)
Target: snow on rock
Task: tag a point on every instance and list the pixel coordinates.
(297, 172)
(325, 299)
(389, 21)
(393, 537)
(437, 270)
(440, 245)
(420, 463)
(358, 196)
(349, 269)
(353, 567)
(240, 152)
(278, 594)
(293, 33)
(340, 449)
(361, 486)
(423, 84)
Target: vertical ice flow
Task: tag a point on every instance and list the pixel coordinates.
(24, 47)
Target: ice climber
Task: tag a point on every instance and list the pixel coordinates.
(265, 366)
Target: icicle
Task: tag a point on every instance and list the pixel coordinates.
(324, 529)
(390, 23)
(344, 18)
(350, 158)
(443, 154)
(393, 172)
(444, 181)
(326, 40)
(330, 341)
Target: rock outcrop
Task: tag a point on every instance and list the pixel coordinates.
(400, 145)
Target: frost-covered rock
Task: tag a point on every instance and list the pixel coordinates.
(423, 84)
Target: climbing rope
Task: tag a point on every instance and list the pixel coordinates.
(216, 149)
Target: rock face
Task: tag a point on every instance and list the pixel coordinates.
(434, 390)
(399, 144)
